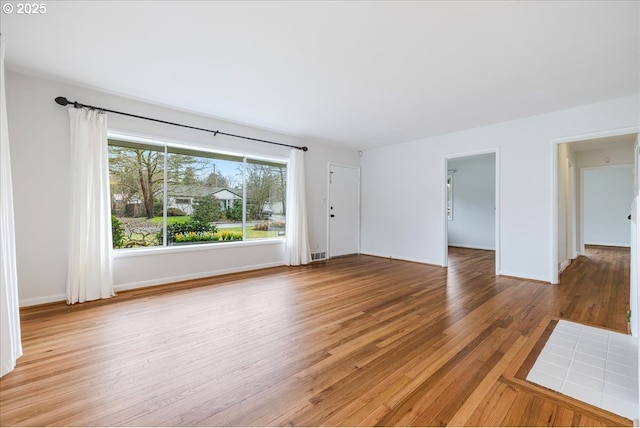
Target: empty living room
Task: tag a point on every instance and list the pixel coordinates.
(288, 213)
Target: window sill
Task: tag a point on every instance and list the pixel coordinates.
(139, 252)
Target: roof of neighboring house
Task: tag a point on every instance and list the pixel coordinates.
(197, 191)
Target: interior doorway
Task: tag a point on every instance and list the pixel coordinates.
(472, 198)
(344, 210)
(584, 207)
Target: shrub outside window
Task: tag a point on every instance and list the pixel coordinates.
(163, 195)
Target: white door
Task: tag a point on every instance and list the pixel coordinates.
(344, 210)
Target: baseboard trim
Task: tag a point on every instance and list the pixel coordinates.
(564, 265)
(180, 278)
(34, 301)
(473, 247)
(521, 276)
(406, 259)
(55, 298)
(604, 244)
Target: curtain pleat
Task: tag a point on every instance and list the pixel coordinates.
(297, 250)
(90, 274)
(10, 342)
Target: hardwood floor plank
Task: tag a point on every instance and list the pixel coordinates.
(479, 394)
(369, 408)
(493, 411)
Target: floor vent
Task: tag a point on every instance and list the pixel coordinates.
(318, 256)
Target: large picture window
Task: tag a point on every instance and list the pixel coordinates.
(164, 195)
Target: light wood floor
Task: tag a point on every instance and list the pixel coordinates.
(353, 341)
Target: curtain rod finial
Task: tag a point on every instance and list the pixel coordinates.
(62, 101)
(305, 148)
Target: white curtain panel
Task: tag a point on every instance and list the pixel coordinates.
(10, 345)
(296, 250)
(90, 241)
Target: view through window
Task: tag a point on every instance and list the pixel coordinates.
(163, 195)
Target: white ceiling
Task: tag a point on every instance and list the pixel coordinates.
(363, 74)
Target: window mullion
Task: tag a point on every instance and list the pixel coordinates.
(244, 198)
(164, 197)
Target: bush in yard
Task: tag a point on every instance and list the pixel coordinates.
(234, 213)
(117, 232)
(270, 225)
(175, 212)
(261, 226)
(186, 227)
(196, 237)
(206, 209)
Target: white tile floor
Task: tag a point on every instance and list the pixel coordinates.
(592, 365)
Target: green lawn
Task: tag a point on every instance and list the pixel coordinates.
(253, 234)
(170, 220)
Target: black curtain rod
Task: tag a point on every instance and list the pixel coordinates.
(64, 101)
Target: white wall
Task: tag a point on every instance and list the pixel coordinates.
(412, 183)
(619, 155)
(607, 195)
(39, 137)
(474, 195)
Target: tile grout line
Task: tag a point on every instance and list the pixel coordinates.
(571, 360)
(604, 373)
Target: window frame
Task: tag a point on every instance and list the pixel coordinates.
(164, 145)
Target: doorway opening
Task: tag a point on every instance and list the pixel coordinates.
(472, 206)
(594, 190)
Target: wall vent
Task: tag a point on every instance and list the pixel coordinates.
(318, 256)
